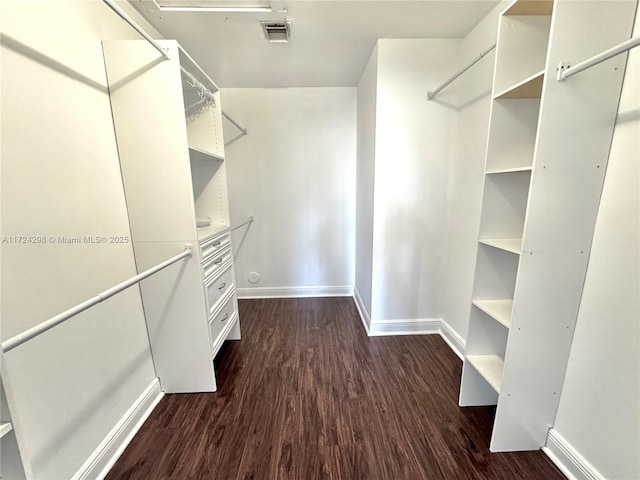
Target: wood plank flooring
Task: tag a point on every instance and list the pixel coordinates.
(307, 395)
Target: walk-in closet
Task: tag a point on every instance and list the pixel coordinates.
(354, 239)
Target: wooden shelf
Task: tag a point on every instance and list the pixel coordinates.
(512, 245)
(5, 427)
(508, 170)
(196, 154)
(499, 310)
(530, 87)
(490, 367)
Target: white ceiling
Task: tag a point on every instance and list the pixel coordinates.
(331, 39)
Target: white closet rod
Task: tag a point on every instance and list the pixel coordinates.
(207, 95)
(566, 71)
(27, 335)
(122, 14)
(242, 224)
(204, 74)
(431, 95)
(204, 92)
(235, 124)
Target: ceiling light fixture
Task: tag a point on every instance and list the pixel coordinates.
(216, 9)
(212, 6)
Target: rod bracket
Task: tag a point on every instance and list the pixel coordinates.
(562, 67)
(188, 248)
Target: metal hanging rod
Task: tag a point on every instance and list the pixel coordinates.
(33, 332)
(431, 95)
(122, 14)
(565, 70)
(205, 94)
(193, 62)
(242, 224)
(235, 124)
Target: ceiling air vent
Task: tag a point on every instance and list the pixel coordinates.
(277, 32)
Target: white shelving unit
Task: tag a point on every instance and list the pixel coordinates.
(546, 157)
(171, 151)
(11, 461)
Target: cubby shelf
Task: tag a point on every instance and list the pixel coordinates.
(5, 427)
(512, 245)
(499, 310)
(530, 87)
(508, 170)
(490, 367)
(196, 154)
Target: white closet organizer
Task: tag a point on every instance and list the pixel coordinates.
(172, 158)
(11, 462)
(545, 162)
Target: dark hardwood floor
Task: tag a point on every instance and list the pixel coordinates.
(307, 395)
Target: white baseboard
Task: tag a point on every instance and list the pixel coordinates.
(455, 341)
(295, 292)
(426, 326)
(568, 460)
(362, 311)
(110, 449)
(379, 328)
(417, 326)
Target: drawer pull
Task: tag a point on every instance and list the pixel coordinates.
(218, 261)
(221, 287)
(225, 318)
(217, 244)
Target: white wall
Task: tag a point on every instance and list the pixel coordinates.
(599, 412)
(415, 141)
(470, 97)
(61, 177)
(365, 175)
(295, 173)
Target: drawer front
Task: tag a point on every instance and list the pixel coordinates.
(217, 323)
(213, 245)
(218, 287)
(213, 266)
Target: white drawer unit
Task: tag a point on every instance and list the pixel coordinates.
(216, 263)
(222, 321)
(218, 286)
(188, 203)
(213, 245)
